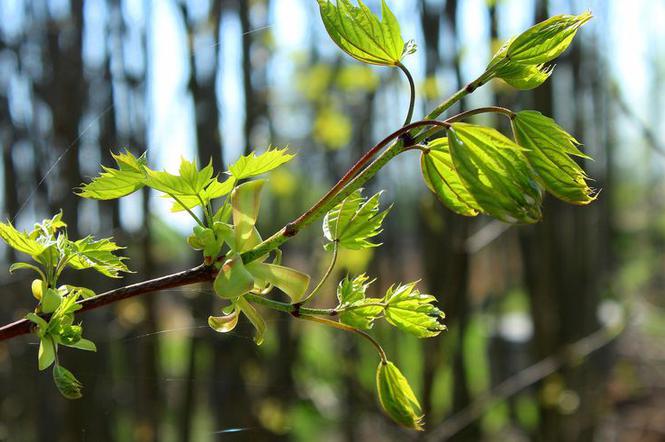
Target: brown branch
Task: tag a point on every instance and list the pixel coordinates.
(201, 273)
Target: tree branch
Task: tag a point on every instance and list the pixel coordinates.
(201, 273)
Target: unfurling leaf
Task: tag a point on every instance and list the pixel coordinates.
(523, 76)
(355, 309)
(253, 165)
(442, 179)
(225, 323)
(115, 183)
(397, 397)
(546, 40)
(360, 33)
(68, 385)
(46, 354)
(88, 253)
(20, 241)
(354, 221)
(495, 171)
(413, 312)
(245, 201)
(550, 151)
(290, 281)
(233, 280)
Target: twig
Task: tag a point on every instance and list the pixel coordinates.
(197, 274)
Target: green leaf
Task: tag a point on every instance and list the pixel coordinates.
(253, 165)
(214, 190)
(190, 180)
(233, 280)
(412, 311)
(88, 253)
(442, 179)
(51, 300)
(225, 323)
(524, 76)
(355, 309)
(290, 281)
(20, 241)
(550, 151)
(115, 183)
(397, 398)
(46, 354)
(360, 33)
(25, 266)
(245, 201)
(546, 40)
(354, 221)
(254, 317)
(39, 321)
(495, 171)
(67, 384)
(83, 344)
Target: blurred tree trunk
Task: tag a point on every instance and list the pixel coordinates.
(443, 238)
(563, 273)
(202, 86)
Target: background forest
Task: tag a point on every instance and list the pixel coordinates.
(554, 328)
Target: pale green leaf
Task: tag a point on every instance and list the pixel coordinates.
(397, 398)
(413, 312)
(495, 171)
(354, 308)
(360, 33)
(20, 241)
(254, 317)
(189, 182)
(549, 151)
(233, 279)
(115, 183)
(253, 165)
(546, 40)
(67, 384)
(46, 354)
(88, 253)
(524, 76)
(245, 201)
(214, 190)
(354, 221)
(225, 323)
(442, 179)
(25, 266)
(83, 344)
(39, 321)
(290, 281)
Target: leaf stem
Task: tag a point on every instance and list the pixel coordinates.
(412, 96)
(193, 215)
(324, 278)
(339, 325)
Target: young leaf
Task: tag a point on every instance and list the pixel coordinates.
(397, 397)
(546, 40)
(254, 317)
(225, 323)
(20, 241)
(67, 384)
(524, 76)
(88, 253)
(245, 201)
(290, 281)
(189, 182)
(549, 151)
(51, 300)
(233, 280)
(39, 321)
(46, 354)
(354, 221)
(442, 179)
(25, 266)
(413, 312)
(115, 183)
(83, 344)
(494, 170)
(215, 189)
(360, 33)
(253, 165)
(355, 309)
